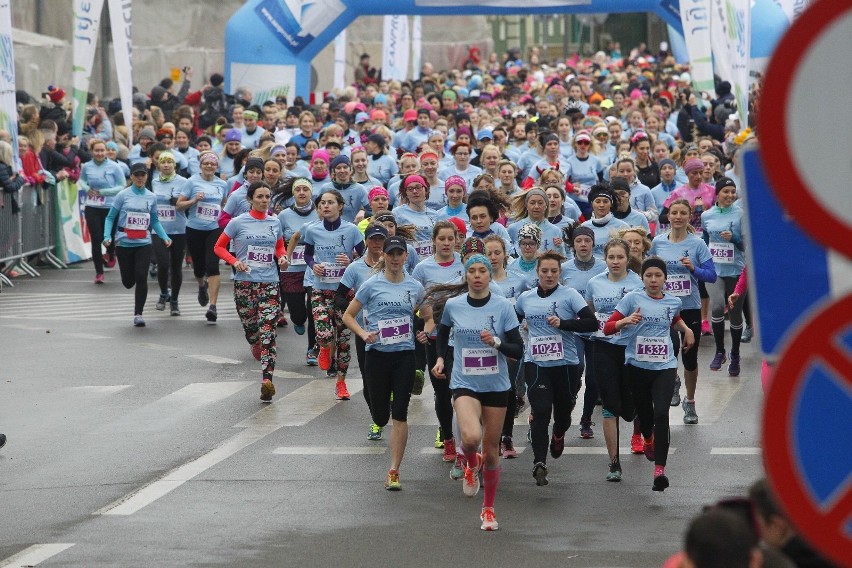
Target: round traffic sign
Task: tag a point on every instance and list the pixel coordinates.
(807, 419)
(805, 125)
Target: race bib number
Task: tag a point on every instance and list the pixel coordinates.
(332, 273)
(602, 319)
(166, 213)
(679, 285)
(723, 253)
(137, 221)
(208, 211)
(260, 257)
(652, 349)
(96, 200)
(479, 361)
(423, 248)
(546, 348)
(393, 331)
(298, 258)
(582, 191)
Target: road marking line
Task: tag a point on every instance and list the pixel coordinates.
(296, 409)
(87, 336)
(214, 359)
(736, 451)
(287, 374)
(100, 389)
(35, 554)
(598, 451)
(436, 452)
(329, 450)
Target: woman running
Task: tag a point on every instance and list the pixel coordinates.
(688, 262)
(529, 244)
(413, 194)
(391, 298)
(551, 365)
(330, 246)
(167, 186)
(135, 211)
(203, 195)
(257, 243)
(650, 358)
(455, 189)
(603, 292)
(602, 222)
(531, 208)
(485, 332)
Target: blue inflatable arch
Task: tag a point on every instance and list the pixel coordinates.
(269, 44)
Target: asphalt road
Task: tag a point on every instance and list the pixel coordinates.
(150, 447)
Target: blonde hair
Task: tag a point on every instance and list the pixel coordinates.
(6, 153)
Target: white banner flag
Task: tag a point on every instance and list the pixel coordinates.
(793, 8)
(416, 45)
(340, 61)
(695, 17)
(395, 48)
(87, 22)
(8, 109)
(120, 18)
(730, 26)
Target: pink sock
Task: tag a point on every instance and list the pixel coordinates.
(490, 478)
(470, 457)
(765, 375)
(659, 470)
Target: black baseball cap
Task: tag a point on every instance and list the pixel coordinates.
(395, 243)
(374, 230)
(138, 167)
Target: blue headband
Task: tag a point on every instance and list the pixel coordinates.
(479, 258)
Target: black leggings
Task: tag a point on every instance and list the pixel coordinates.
(133, 265)
(591, 395)
(299, 305)
(692, 318)
(96, 222)
(612, 380)
(200, 244)
(443, 395)
(652, 393)
(516, 375)
(170, 263)
(389, 372)
(550, 389)
(361, 355)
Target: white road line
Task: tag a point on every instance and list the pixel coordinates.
(35, 554)
(436, 452)
(290, 374)
(100, 389)
(736, 451)
(22, 326)
(329, 450)
(598, 451)
(296, 409)
(93, 336)
(158, 346)
(214, 359)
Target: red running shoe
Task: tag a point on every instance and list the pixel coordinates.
(637, 446)
(325, 358)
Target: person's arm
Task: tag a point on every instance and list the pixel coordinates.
(10, 181)
(110, 221)
(341, 297)
(704, 126)
(442, 341)
(688, 336)
(617, 321)
(221, 249)
(586, 322)
(706, 271)
(742, 282)
(513, 346)
(109, 191)
(350, 322)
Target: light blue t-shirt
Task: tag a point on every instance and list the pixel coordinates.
(173, 221)
(204, 215)
(604, 295)
(429, 273)
(238, 202)
(513, 285)
(551, 235)
(584, 174)
(389, 310)
(728, 256)
(548, 346)
(253, 241)
(106, 178)
(680, 281)
(354, 196)
(327, 245)
(578, 279)
(291, 221)
(423, 222)
(603, 234)
(135, 212)
(649, 343)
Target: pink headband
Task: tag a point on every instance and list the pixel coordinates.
(414, 178)
(693, 164)
(208, 156)
(425, 155)
(377, 190)
(455, 180)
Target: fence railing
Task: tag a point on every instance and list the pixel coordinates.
(29, 231)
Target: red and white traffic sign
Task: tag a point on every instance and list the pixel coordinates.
(807, 448)
(805, 123)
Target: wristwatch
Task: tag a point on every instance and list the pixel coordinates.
(497, 342)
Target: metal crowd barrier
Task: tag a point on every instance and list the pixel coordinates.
(29, 232)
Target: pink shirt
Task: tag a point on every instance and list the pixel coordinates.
(705, 191)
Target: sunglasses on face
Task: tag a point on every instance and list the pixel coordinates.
(583, 143)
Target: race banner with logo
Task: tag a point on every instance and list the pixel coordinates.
(87, 23)
(396, 48)
(793, 8)
(730, 24)
(297, 22)
(340, 61)
(74, 243)
(8, 109)
(416, 45)
(120, 12)
(695, 17)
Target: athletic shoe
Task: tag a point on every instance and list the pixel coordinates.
(161, 302)
(439, 439)
(540, 474)
(449, 451)
(689, 414)
(299, 329)
(676, 393)
(705, 328)
(282, 321)
(152, 272)
(507, 448)
(256, 349)
(748, 333)
(529, 431)
(267, 390)
(392, 483)
(109, 260)
(188, 260)
(99, 279)
(174, 310)
(457, 471)
(648, 448)
(341, 391)
(637, 446)
(734, 367)
(375, 432)
(311, 358)
(324, 358)
(557, 445)
(332, 373)
(614, 472)
(470, 485)
(138, 321)
(660, 479)
(2, 440)
(586, 429)
(211, 313)
(419, 381)
(718, 360)
(489, 521)
(203, 296)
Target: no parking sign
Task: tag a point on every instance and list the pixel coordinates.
(806, 132)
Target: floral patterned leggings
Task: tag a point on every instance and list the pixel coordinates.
(258, 306)
(329, 323)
